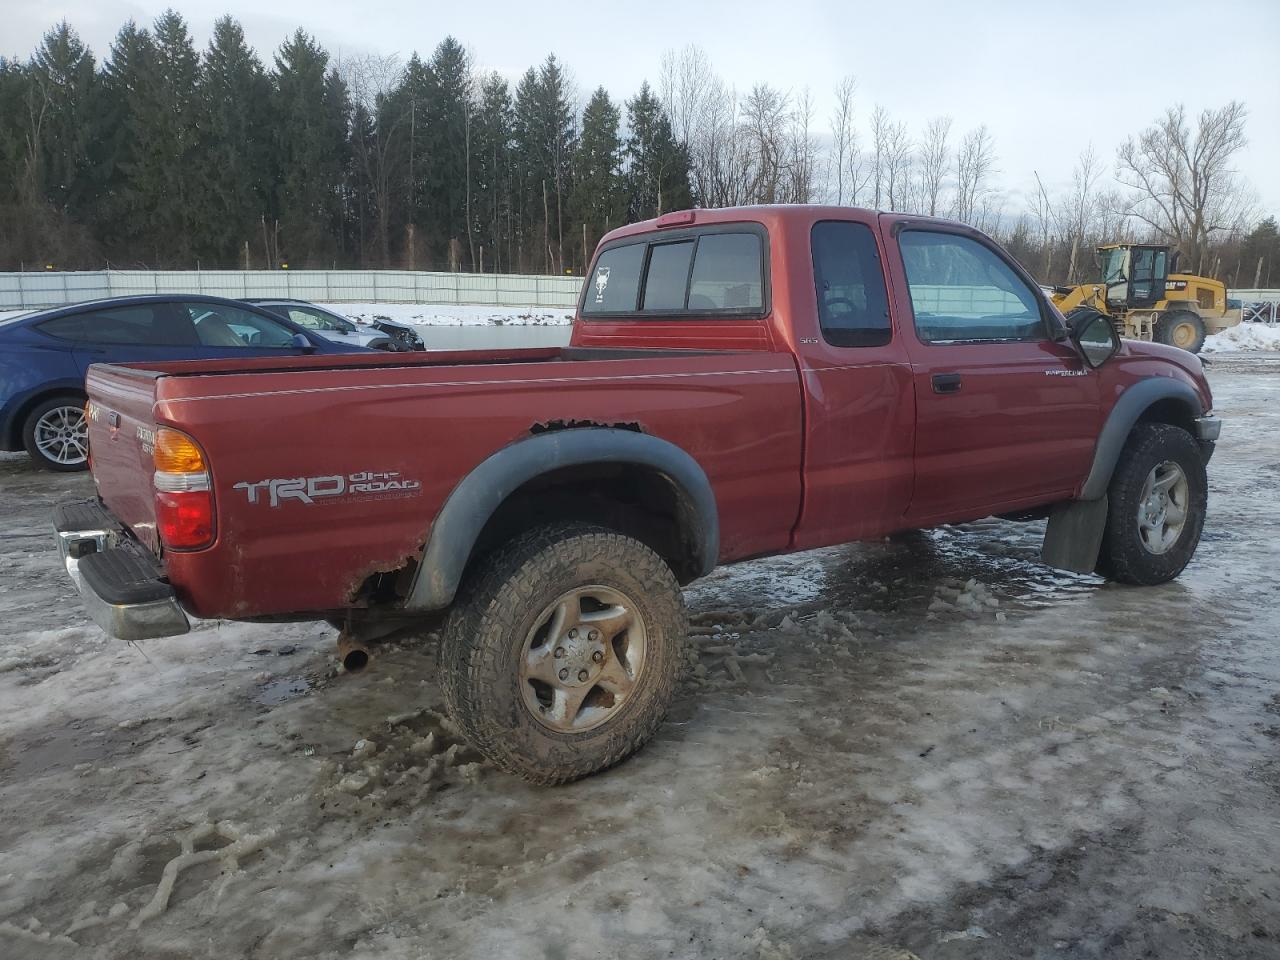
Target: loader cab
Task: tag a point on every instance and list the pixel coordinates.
(1134, 274)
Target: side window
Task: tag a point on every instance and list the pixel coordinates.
(219, 325)
(962, 291)
(727, 273)
(853, 303)
(614, 287)
(314, 319)
(305, 318)
(148, 324)
(668, 277)
(64, 328)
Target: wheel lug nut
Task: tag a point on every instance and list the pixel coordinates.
(573, 634)
(582, 675)
(564, 674)
(598, 656)
(593, 635)
(559, 652)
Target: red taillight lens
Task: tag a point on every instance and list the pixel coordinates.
(185, 520)
(184, 500)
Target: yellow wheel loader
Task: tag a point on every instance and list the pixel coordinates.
(1147, 302)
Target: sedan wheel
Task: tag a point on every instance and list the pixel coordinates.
(57, 435)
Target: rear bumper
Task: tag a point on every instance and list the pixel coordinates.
(120, 583)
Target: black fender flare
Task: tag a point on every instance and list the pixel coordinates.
(474, 500)
(1128, 409)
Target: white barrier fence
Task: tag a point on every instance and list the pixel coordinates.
(20, 291)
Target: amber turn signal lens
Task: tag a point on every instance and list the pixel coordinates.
(177, 453)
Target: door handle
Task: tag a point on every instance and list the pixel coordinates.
(946, 383)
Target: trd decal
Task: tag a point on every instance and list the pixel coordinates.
(365, 485)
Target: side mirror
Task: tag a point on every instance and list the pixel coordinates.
(300, 342)
(1094, 335)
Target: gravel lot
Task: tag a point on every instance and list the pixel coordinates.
(932, 746)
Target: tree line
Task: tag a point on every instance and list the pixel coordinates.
(163, 156)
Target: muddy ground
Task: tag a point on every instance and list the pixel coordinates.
(933, 745)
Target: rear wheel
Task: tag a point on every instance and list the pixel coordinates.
(56, 434)
(1156, 506)
(562, 652)
(1181, 329)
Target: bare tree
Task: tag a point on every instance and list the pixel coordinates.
(880, 124)
(704, 117)
(370, 81)
(1079, 214)
(803, 148)
(1181, 182)
(765, 115)
(843, 134)
(975, 164)
(935, 159)
(897, 159)
(684, 83)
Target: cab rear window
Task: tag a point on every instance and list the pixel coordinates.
(696, 274)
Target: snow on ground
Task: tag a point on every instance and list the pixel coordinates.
(426, 314)
(931, 744)
(1244, 337)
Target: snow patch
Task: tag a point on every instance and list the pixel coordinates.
(1244, 337)
(455, 315)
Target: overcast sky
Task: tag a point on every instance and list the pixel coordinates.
(1045, 79)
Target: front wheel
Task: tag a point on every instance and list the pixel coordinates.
(1156, 506)
(56, 434)
(562, 652)
(1181, 329)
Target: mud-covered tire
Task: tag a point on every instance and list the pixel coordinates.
(54, 433)
(1124, 555)
(1182, 329)
(483, 646)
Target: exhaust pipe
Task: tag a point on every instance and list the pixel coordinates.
(353, 654)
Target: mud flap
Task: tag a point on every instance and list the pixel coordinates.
(1074, 535)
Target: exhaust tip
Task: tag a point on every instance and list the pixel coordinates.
(355, 659)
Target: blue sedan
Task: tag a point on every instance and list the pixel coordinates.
(44, 356)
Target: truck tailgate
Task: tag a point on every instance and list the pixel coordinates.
(121, 438)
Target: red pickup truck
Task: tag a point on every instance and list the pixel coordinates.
(739, 382)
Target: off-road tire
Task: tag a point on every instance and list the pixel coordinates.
(483, 640)
(1167, 330)
(1123, 556)
(29, 432)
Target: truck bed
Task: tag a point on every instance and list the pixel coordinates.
(421, 423)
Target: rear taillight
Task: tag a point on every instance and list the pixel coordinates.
(184, 498)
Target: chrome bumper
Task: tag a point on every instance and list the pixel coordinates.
(159, 615)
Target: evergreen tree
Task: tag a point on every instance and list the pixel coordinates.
(545, 141)
(63, 75)
(449, 165)
(598, 199)
(121, 210)
(491, 150)
(658, 165)
(235, 177)
(164, 124)
(310, 122)
(13, 95)
(413, 101)
(1260, 255)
